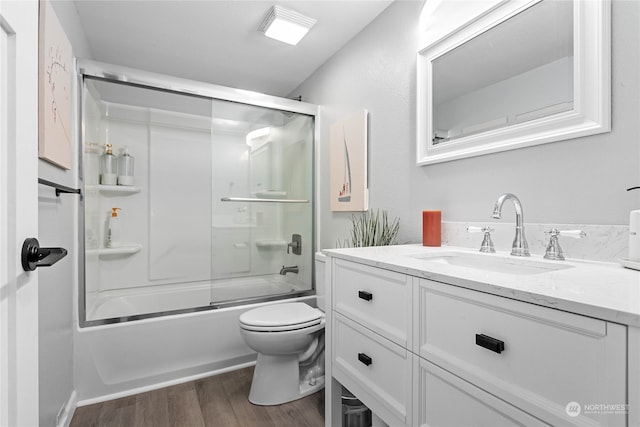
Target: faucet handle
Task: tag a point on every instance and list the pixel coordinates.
(554, 251)
(473, 229)
(487, 243)
(295, 244)
(576, 234)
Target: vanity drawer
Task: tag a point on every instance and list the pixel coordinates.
(536, 358)
(374, 369)
(443, 399)
(376, 298)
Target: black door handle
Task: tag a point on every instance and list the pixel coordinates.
(490, 343)
(365, 359)
(367, 296)
(33, 256)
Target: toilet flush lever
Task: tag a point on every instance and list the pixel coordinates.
(295, 244)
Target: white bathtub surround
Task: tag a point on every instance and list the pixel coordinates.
(603, 242)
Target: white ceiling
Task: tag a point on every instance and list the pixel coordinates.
(217, 41)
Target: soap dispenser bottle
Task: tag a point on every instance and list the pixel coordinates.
(125, 168)
(113, 229)
(108, 167)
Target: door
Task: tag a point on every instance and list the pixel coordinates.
(18, 212)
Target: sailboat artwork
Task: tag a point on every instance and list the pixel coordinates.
(348, 163)
(344, 194)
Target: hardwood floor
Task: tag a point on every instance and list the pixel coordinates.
(219, 401)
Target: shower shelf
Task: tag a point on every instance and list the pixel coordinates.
(114, 190)
(252, 199)
(122, 250)
(271, 243)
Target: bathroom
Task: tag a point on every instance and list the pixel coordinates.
(571, 183)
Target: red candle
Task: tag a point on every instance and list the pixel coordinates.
(431, 228)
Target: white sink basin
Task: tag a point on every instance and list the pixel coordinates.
(493, 263)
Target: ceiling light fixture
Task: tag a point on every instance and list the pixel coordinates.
(286, 25)
(256, 134)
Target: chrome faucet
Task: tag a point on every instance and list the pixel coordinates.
(284, 270)
(520, 246)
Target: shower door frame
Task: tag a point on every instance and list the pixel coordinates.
(150, 80)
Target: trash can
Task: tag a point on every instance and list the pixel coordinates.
(354, 412)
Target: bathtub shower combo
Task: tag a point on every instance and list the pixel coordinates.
(217, 219)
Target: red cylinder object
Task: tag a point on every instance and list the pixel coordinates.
(431, 228)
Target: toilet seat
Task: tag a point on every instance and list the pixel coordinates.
(280, 317)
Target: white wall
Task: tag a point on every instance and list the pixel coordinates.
(576, 181)
(57, 226)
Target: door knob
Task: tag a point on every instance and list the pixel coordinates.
(33, 256)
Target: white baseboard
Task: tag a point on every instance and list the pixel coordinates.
(65, 415)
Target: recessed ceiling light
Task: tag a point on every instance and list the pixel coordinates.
(286, 25)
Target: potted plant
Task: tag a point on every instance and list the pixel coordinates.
(372, 229)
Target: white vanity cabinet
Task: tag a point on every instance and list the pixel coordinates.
(371, 337)
(419, 352)
(535, 358)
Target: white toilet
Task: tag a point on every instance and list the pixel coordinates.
(289, 340)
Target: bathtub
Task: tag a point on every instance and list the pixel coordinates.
(120, 359)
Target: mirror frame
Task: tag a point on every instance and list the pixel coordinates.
(591, 113)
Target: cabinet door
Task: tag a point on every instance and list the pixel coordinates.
(442, 399)
(539, 359)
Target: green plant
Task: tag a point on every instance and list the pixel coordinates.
(372, 229)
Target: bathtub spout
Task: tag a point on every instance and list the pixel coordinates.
(284, 270)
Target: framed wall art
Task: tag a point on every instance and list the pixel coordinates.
(54, 98)
(348, 163)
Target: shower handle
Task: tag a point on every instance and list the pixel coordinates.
(296, 244)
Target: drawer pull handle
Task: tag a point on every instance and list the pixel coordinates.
(365, 359)
(489, 343)
(367, 296)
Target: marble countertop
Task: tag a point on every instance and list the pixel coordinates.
(597, 289)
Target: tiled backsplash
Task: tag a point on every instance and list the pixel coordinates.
(603, 242)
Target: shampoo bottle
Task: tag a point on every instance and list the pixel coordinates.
(125, 168)
(113, 229)
(108, 167)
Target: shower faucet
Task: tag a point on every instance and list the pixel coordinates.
(284, 270)
(296, 244)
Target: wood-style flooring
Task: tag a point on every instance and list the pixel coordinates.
(220, 401)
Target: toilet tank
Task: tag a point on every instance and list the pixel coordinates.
(320, 263)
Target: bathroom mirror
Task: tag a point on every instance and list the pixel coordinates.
(520, 73)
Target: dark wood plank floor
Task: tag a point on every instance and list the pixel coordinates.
(219, 401)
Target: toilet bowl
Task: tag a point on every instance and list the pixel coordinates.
(289, 340)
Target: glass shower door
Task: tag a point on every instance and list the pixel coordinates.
(219, 210)
(162, 260)
(262, 220)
